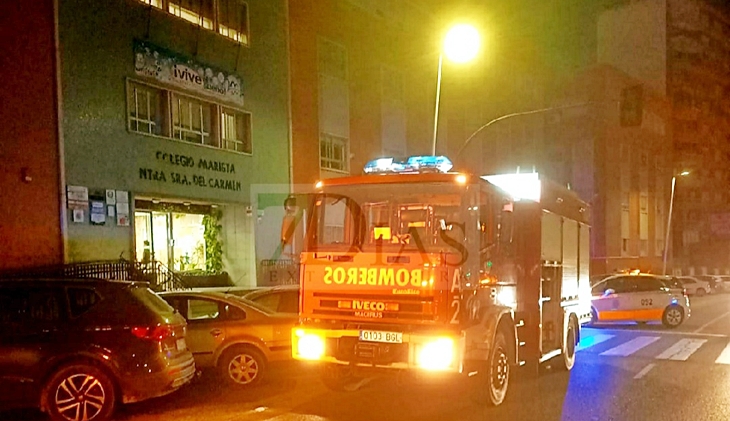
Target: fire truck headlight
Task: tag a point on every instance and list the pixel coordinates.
(437, 354)
(309, 346)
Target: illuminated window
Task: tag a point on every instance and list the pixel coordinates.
(227, 17)
(333, 152)
(145, 109)
(154, 3)
(236, 131)
(199, 12)
(233, 20)
(191, 119)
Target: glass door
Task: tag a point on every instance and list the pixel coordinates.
(161, 250)
(143, 236)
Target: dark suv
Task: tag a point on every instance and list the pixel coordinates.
(77, 348)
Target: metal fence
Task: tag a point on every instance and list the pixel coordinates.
(158, 275)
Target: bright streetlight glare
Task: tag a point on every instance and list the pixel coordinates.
(461, 43)
(684, 173)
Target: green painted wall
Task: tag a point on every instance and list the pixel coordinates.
(97, 59)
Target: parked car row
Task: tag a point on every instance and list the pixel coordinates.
(77, 349)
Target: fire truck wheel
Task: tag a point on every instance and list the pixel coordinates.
(339, 379)
(242, 366)
(494, 379)
(570, 345)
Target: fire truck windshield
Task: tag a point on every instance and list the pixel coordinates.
(390, 215)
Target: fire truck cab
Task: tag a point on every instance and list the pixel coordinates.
(413, 269)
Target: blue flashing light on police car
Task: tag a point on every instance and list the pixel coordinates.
(423, 163)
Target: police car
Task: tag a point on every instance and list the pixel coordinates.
(641, 298)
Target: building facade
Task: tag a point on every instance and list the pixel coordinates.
(622, 168)
(170, 114)
(682, 48)
(30, 181)
(363, 78)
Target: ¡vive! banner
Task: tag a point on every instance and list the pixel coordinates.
(166, 66)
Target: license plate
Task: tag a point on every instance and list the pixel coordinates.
(379, 336)
(181, 344)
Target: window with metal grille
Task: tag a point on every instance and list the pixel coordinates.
(333, 152)
(145, 109)
(235, 130)
(191, 119)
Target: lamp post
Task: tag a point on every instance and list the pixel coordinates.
(669, 221)
(461, 45)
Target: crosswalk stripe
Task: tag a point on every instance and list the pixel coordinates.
(593, 340)
(631, 346)
(724, 357)
(681, 350)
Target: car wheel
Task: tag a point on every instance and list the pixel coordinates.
(242, 366)
(673, 316)
(79, 392)
(570, 346)
(700, 292)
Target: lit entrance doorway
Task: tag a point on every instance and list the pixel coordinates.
(172, 234)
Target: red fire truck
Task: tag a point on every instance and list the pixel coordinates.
(413, 269)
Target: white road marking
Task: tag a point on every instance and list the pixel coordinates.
(667, 332)
(593, 340)
(724, 357)
(699, 329)
(631, 346)
(644, 371)
(681, 350)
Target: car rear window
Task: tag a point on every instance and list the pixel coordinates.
(81, 300)
(151, 300)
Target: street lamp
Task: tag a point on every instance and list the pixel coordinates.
(461, 45)
(669, 220)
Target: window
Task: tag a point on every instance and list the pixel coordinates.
(81, 300)
(199, 12)
(202, 310)
(191, 119)
(235, 134)
(227, 17)
(233, 20)
(234, 313)
(334, 106)
(161, 112)
(333, 152)
(155, 3)
(29, 305)
(145, 109)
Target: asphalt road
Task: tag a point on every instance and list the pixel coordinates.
(623, 373)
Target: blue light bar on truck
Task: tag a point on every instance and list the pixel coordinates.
(425, 163)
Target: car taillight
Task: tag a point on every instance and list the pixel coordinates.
(157, 333)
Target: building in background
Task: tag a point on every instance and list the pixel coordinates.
(363, 78)
(613, 151)
(682, 48)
